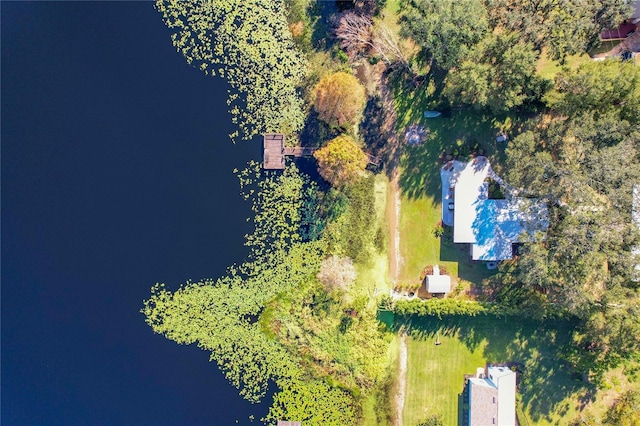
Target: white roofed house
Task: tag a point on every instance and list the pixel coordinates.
(490, 226)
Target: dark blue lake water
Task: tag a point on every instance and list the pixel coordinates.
(116, 174)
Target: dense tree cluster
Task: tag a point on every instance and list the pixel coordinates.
(585, 165)
(490, 47)
(561, 27)
(498, 74)
(448, 29)
(248, 43)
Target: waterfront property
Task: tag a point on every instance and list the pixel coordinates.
(491, 226)
(490, 397)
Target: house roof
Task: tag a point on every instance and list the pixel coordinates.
(492, 399)
(505, 381)
(470, 191)
(437, 283)
(491, 226)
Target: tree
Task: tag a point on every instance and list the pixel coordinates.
(358, 34)
(340, 100)
(583, 158)
(625, 411)
(448, 29)
(337, 273)
(248, 43)
(599, 87)
(340, 160)
(562, 27)
(499, 74)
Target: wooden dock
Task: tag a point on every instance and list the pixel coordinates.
(275, 152)
(273, 155)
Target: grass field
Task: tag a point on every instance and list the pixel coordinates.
(550, 395)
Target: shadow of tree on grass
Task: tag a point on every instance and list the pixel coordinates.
(547, 380)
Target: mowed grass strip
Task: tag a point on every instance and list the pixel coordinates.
(435, 377)
(435, 373)
(419, 246)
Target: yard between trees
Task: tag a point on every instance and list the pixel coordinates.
(460, 134)
(548, 392)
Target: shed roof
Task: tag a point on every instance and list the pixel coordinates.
(437, 283)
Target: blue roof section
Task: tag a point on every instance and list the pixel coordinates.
(501, 223)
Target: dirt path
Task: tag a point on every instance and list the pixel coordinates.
(393, 147)
(393, 215)
(402, 380)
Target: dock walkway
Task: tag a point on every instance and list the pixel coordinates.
(275, 152)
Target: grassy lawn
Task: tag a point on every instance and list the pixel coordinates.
(421, 188)
(373, 278)
(548, 68)
(549, 393)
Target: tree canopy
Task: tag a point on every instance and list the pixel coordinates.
(340, 99)
(561, 27)
(585, 166)
(248, 43)
(340, 160)
(625, 411)
(447, 29)
(599, 87)
(498, 74)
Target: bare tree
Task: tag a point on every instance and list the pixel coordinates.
(387, 45)
(337, 273)
(354, 31)
(358, 36)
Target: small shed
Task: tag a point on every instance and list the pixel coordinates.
(437, 283)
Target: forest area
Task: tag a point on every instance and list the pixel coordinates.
(303, 310)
